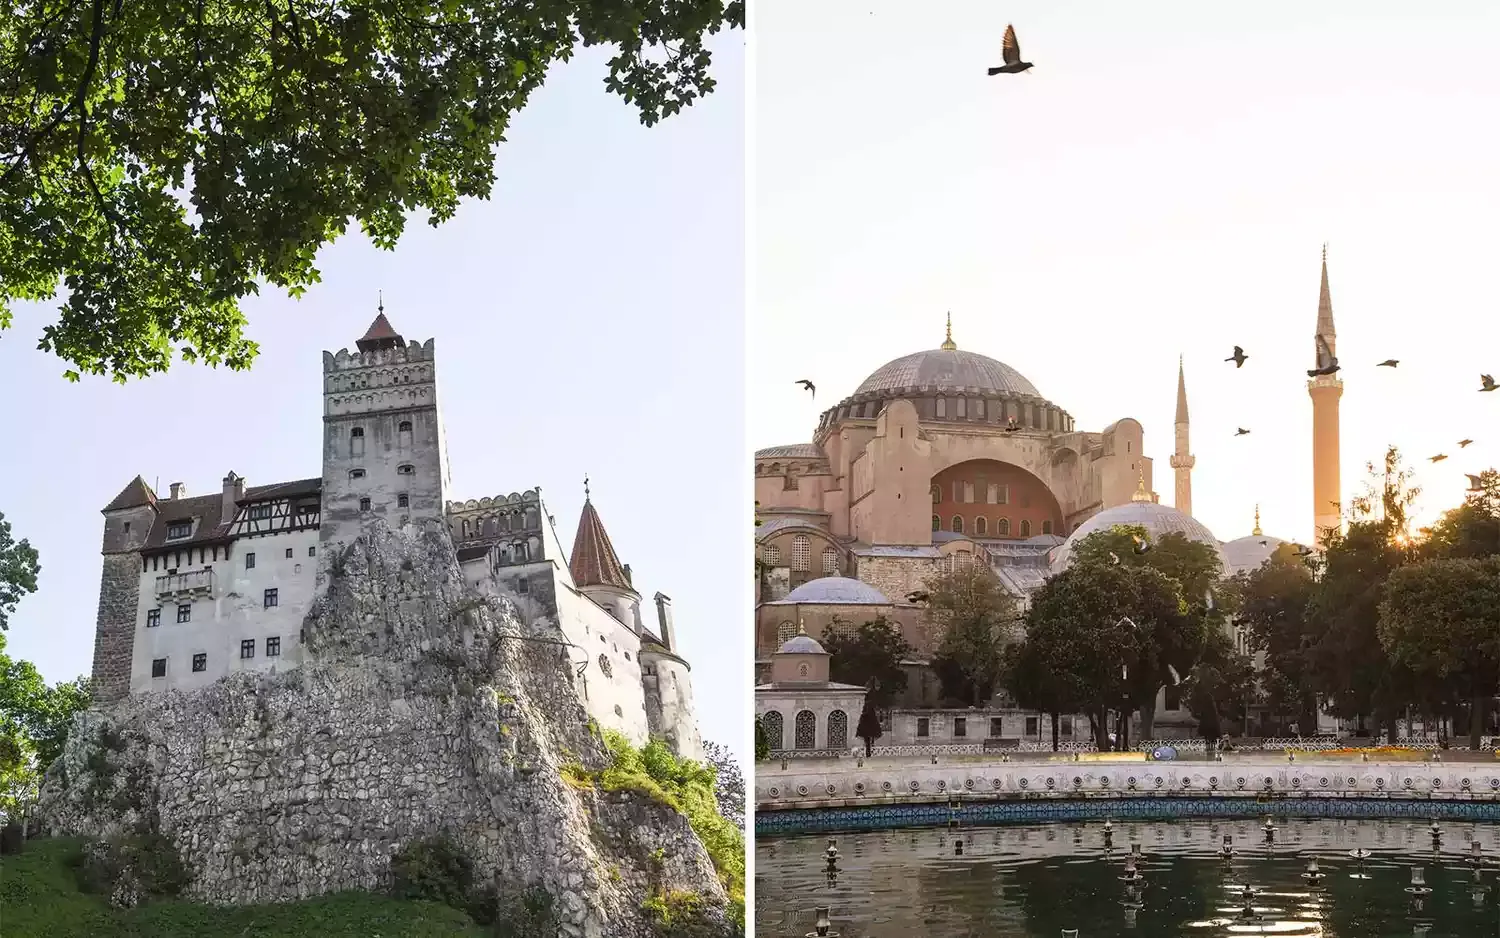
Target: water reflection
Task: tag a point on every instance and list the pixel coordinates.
(1315, 878)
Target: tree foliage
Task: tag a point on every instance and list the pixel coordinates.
(34, 724)
(978, 620)
(1274, 601)
(1218, 686)
(161, 160)
(19, 567)
(729, 782)
(870, 657)
(762, 742)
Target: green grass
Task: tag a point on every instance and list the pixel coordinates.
(40, 898)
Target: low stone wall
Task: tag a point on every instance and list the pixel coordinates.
(808, 788)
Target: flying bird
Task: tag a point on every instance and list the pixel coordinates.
(1487, 383)
(1304, 551)
(1241, 431)
(916, 596)
(1238, 357)
(1265, 543)
(808, 386)
(1011, 426)
(1463, 443)
(1010, 51)
(1474, 485)
(1389, 363)
(1141, 544)
(1439, 457)
(1327, 363)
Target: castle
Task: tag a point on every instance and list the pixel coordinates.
(196, 588)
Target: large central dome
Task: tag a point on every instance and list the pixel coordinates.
(948, 369)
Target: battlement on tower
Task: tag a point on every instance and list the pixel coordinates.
(345, 360)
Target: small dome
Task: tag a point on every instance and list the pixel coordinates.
(1249, 552)
(947, 369)
(1158, 520)
(801, 645)
(837, 590)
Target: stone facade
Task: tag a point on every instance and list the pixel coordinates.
(424, 706)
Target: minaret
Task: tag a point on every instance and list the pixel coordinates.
(1182, 461)
(1325, 391)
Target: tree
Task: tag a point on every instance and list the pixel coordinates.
(18, 571)
(1273, 607)
(34, 724)
(1473, 528)
(870, 656)
(161, 160)
(1217, 686)
(762, 744)
(1037, 676)
(1441, 618)
(729, 782)
(869, 728)
(977, 618)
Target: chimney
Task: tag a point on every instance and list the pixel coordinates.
(664, 620)
(234, 490)
(178, 490)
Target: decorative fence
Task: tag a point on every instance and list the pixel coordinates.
(1184, 747)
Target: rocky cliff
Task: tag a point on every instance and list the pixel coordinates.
(422, 708)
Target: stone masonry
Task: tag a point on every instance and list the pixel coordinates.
(424, 707)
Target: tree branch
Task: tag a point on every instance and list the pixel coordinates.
(95, 41)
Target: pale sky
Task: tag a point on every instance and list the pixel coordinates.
(1160, 183)
(588, 319)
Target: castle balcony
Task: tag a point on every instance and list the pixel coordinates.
(191, 583)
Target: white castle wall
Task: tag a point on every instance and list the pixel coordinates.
(669, 703)
(234, 611)
(615, 700)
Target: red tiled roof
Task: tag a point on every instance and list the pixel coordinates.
(379, 333)
(594, 562)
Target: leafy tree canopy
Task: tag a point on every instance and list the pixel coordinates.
(19, 567)
(977, 618)
(34, 724)
(1473, 528)
(160, 160)
(871, 657)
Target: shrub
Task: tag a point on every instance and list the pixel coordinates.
(148, 863)
(527, 915)
(433, 868)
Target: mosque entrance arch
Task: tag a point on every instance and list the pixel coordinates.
(988, 498)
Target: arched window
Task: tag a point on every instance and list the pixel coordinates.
(770, 722)
(942, 407)
(770, 555)
(1046, 527)
(518, 551)
(1003, 528)
(838, 730)
(406, 469)
(1025, 528)
(356, 474)
(490, 527)
(958, 525)
(937, 494)
(807, 730)
(981, 526)
(937, 523)
(785, 632)
(403, 435)
(801, 549)
(403, 501)
(531, 518)
(404, 427)
(466, 527)
(830, 560)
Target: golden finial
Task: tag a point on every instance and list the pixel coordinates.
(1141, 495)
(948, 341)
(801, 626)
(1257, 531)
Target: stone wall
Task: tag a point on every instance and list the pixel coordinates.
(423, 707)
(114, 632)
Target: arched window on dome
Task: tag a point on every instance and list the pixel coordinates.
(770, 555)
(1046, 527)
(1003, 527)
(830, 560)
(801, 550)
(942, 407)
(1025, 528)
(937, 523)
(958, 524)
(981, 526)
(937, 494)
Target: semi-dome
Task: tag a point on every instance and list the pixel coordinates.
(947, 368)
(1249, 552)
(1158, 520)
(801, 645)
(837, 590)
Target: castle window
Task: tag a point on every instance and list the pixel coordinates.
(1003, 528)
(364, 504)
(127, 527)
(404, 427)
(271, 599)
(958, 525)
(250, 561)
(259, 512)
(179, 529)
(356, 474)
(959, 407)
(830, 560)
(519, 551)
(981, 526)
(1025, 528)
(185, 613)
(942, 407)
(960, 726)
(604, 665)
(924, 726)
(937, 494)
(158, 667)
(312, 551)
(289, 553)
(937, 523)
(247, 648)
(801, 548)
(403, 501)
(466, 527)
(357, 442)
(200, 662)
(406, 469)
(153, 618)
(627, 656)
(522, 587)
(273, 646)
(771, 555)
(979, 408)
(1046, 527)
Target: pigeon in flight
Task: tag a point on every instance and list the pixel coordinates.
(1011, 426)
(1238, 357)
(1304, 551)
(1389, 363)
(916, 596)
(1265, 543)
(1439, 457)
(1463, 443)
(1010, 51)
(1327, 364)
(809, 387)
(1141, 544)
(1241, 431)
(1474, 485)
(1487, 383)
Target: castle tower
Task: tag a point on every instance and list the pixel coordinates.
(597, 571)
(1182, 461)
(382, 435)
(1325, 391)
(127, 524)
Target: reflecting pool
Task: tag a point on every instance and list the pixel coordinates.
(1372, 879)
